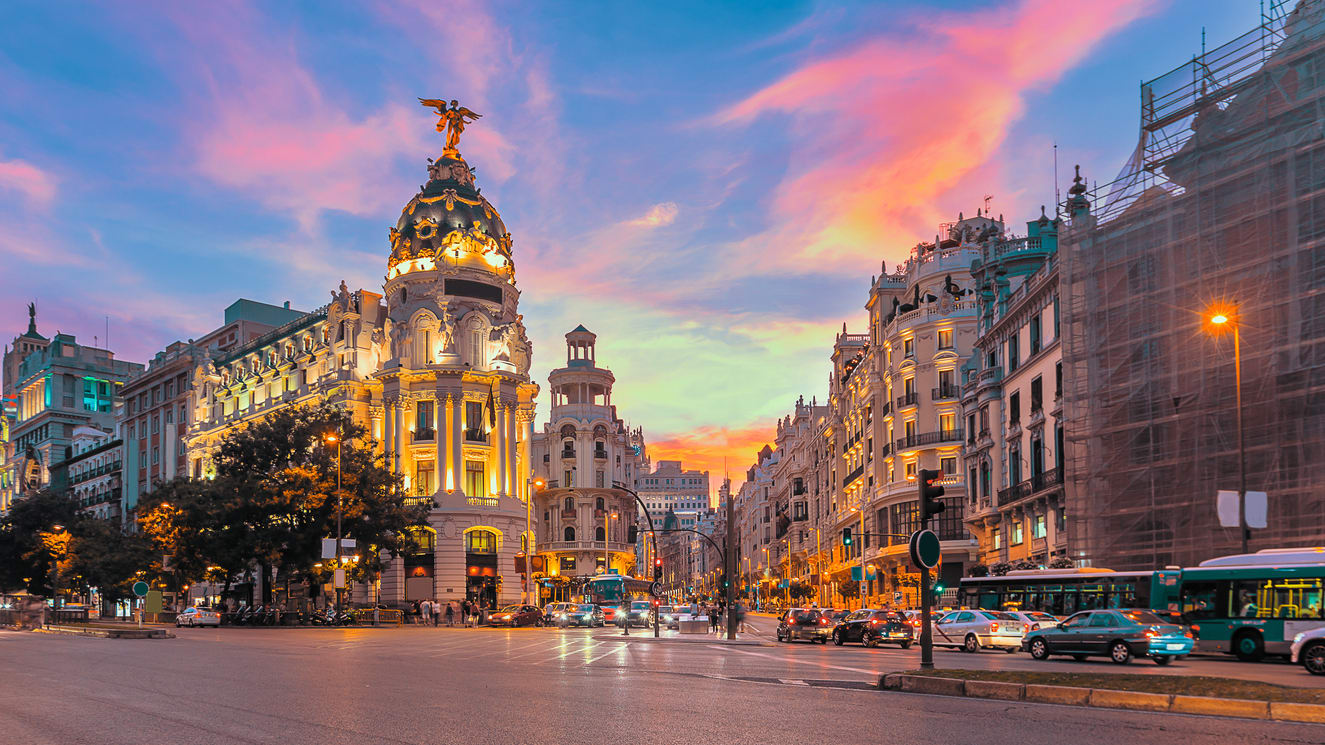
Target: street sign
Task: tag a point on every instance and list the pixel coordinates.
(152, 604)
(1226, 505)
(897, 598)
(656, 589)
(339, 581)
(1256, 508)
(925, 549)
(140, 588)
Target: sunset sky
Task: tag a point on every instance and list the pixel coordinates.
(707, 187)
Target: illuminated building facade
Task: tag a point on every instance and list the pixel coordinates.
(583, 451)
(1012, 402)
(436, 367)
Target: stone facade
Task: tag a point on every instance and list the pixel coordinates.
(436, 367)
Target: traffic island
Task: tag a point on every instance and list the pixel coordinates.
(108, 632)
(1226, 697)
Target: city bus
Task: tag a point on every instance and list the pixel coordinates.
(613, 590)
(1062, 592)
(1252, 605)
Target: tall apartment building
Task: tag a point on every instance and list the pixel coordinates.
(154, 419)
(57, 386)
(1222, 207)
(754, 530)
(1012, 401)
(584, 452)
(799, 498)
(91, 473)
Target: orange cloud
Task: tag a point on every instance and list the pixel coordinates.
(718, 450)
(884, 129)
(36, 185)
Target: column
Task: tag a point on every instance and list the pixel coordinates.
(388, 433)
(400, 435)
(457, 435)
(513, 475)
(500, 445)
(439, 440)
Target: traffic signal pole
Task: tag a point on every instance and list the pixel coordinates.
(929, 505)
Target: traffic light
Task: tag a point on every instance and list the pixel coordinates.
(938, 590)
(846, 536)
(930, 493)
(657, 569)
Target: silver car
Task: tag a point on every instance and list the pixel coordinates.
(970, 630)
(1034, 619)
(1309, 650)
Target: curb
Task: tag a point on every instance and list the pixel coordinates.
(1105, 698)
(145, 633)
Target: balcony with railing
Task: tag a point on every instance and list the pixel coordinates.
(945, 391)
(568, 514)
(1036, 483)
(425, 435)
(491, 502)
(474, 434)
(567, 453)
(909, 399)
(846, 481)
(929, 438)
(600, 454)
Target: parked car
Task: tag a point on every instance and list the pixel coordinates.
(581, 614)
(196, 615)
(1118, 634)
(1309, 650)
(636, 613)
(517, 615)
(970, 630)
(1034, 619)
(873, 627)
(669, 617)
(803, 623)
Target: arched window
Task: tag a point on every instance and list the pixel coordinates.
(570, 533)
(568, 504)
(598, 533)
(599, 504)
(481, 542)
(568, 431)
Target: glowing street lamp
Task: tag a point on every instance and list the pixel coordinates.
(1222, 319)
(332, 438)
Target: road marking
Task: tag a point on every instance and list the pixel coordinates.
(793, 682)
(576, 651)
(789, 660)
(619, 648)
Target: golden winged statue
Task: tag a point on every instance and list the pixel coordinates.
(452, 121)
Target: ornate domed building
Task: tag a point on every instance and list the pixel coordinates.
(437, 368)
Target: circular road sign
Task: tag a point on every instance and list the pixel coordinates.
(925, 549)
(140, 589)
(655, 589)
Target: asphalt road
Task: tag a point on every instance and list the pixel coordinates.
(423, 685)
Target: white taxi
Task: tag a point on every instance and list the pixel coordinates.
(197, 616)
(970, 630)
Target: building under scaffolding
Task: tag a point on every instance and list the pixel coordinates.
(1223, 201)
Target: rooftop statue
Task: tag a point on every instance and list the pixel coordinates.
(452, 121)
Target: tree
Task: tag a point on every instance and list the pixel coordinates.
(998, 569)
(979, 570)
(849, 589)
(1061, 562)
(102, 555)
(28, 548)
(801, 590)
(274, 498)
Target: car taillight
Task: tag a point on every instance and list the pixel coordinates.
(993, 626)
(824, 621)
(874, 622)
(791, 622)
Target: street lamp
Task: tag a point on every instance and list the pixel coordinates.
(607, 557)
(333, 439)
(1222, 319)
(788, 542)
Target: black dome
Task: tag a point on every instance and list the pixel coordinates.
(448, 202)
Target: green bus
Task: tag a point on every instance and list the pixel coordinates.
(1252, 605)
(1062, 592)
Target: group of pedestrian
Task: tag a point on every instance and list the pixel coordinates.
(432, 612)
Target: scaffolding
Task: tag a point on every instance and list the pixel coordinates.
(1223, 200)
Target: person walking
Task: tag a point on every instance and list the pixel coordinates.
(436, 614)
(450, 613)
(426, 609)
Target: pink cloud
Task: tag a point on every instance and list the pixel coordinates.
(714, 449)
(36, 185)
(884, 129)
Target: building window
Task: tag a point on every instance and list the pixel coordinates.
(476, 485)
(911, 470)
(948, 465)
(1037, 394)
(423, 472)
(566, 479)
(481, 542)
(945, 338)
(1035, 333)
(1038, 527)
(908, 347)
(1016, 533)
(1058, 380)
(156, 424)
(947, 423)
(568, 504)
(1014, 465)
(1014, 408)
(1014, 356)
(423, 419)
(568, 534)
(598, 534)
(599, 479)
(998, 538)
(156, 455)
